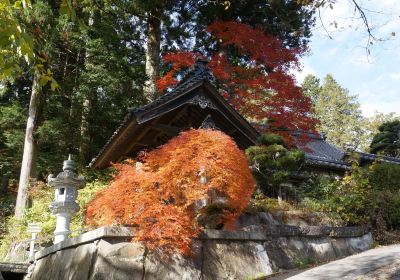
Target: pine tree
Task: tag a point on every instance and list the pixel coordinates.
(273, 162)
(339, 114)
(387, 140)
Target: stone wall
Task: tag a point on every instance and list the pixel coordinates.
(106, 253)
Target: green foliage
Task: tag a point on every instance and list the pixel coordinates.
(340, 115)
(387, 140)
(392, 210)
(262, 203)
(348, 199)
(14, 37)
(7, 202)
(289, 20)
(41, 196)
(368, 195)
(304, 262)
(384, 176)
(85, 195)
(12, 122)
(317, 188)
(270, 139)
(384, 179)
(339, 112)
(101, 64)
(273, 162)
(385, 215)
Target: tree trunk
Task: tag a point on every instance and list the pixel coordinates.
(4, 183)
(152, 57)
(86, 105)
(30, 146)
(84, 131)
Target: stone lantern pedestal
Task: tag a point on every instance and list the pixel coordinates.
(64, 205)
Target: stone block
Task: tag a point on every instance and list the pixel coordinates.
(340, 247)
(177, 267)
(359, 244)
(234, 260)
(118, 261)
(69, 264)
(278, 254)
(322, 248)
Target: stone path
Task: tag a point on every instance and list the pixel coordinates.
(380, 263)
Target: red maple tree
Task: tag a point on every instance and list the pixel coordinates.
(258, 82)
(161, 195)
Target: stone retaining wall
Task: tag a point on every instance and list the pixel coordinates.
(106, 253)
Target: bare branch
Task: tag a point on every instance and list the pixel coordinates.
(365, 20)
(323, 26)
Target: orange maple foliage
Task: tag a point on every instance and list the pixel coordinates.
(161, 196)
(259, 84)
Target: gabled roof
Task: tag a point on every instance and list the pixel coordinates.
(321, 154)
(195, 103)
(188, 105)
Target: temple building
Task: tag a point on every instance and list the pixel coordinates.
(196, 103)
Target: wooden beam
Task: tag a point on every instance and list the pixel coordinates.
(177, 116)
(167, 129)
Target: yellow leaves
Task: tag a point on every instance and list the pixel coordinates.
(16, 43)
(227, 4)
(46, 76)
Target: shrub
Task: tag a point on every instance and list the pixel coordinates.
(273, 162)
(261, 203)
(318, 187)
(349, 199)
(7, 203)
(384, 176)
(392, 211)
(161, 194)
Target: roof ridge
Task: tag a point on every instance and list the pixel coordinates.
(196, 73)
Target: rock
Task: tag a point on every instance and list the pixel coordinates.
(340, 247)
(71, 264)
(278, 255)
(262, 218)
(359, 244)
(323, 249)
(118, 261)
(234, 260)
(267, 218)
(178, 267)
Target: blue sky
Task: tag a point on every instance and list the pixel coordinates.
(374, 78)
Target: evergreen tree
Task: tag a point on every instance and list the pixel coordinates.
(387, 140)
(106, 77)
(372, 127)
(338, 112)
(273, 163)
(290, 21)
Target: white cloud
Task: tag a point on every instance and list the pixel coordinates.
(344, 23)
(373, 77)
(369, 109)
(379, 94)
(395, 76)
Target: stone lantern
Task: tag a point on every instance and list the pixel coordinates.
(64, 205)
